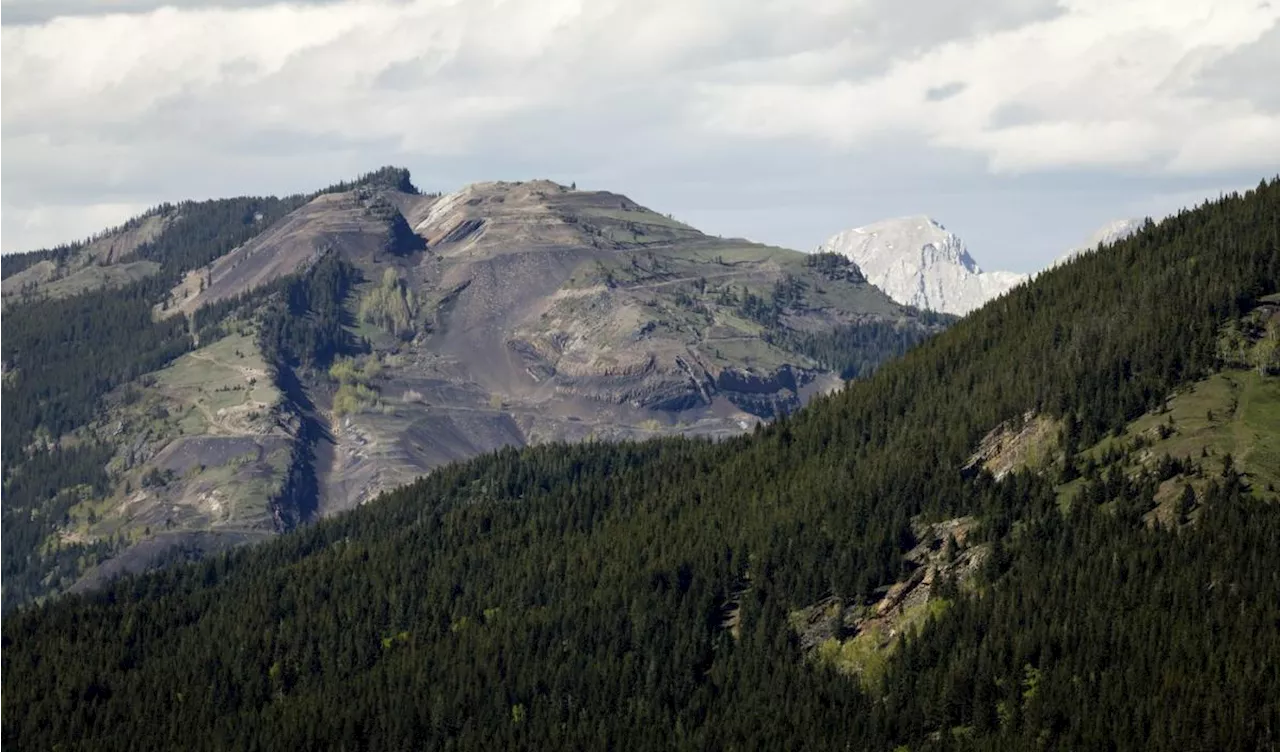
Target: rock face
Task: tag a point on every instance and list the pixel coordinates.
(856, 636)
(917, 262)
(1028, 441)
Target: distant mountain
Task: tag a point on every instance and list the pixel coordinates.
(1111, 232)
(918, 262)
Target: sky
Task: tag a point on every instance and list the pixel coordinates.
(1021, 125)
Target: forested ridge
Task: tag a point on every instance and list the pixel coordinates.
(62, 355)
(572, 596)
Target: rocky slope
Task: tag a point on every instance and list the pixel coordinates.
(501, 314)
(918, 262)
(538, 313)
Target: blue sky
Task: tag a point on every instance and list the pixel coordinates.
(1021, 125)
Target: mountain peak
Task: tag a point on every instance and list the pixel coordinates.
(499, 216)
(918, 262)
(388, 177)
(1116, 229)
(903, 236)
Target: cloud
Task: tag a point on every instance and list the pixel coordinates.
(126, 103)
(1102, 85)
(946, 91)
(42, 11)
(428, 72)
(1247, 72)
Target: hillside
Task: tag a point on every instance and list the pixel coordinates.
(278, 360)
(109, 260)
(748, 593)
(538, 313)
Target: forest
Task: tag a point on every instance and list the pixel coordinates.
(572, 596)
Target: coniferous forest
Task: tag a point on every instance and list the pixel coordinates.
(573, 596)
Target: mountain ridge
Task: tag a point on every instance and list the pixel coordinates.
(399, 332)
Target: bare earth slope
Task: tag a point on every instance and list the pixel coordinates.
(355, 223)
(543, 313)
(501, 314)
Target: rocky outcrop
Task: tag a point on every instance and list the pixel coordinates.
(748, 382)
(764, 394)
(855, 637)
(1028, 441)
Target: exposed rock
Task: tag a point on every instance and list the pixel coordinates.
(107, 260)
(1028, 441)
(853, 635)
(917, 262)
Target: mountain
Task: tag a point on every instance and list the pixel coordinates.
(214, 373)
(918, 262)
(1051, 526)
(1111, 232)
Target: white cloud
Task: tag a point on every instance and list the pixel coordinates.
(206, 97)
(323, 68)
(1105, 83)
(1243, 141)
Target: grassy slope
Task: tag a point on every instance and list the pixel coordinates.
(1234, 413)
(220, 390)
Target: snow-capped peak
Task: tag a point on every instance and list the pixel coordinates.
(918, 262)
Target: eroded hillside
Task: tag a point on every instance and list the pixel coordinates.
(108, 260)
(407, 331)
(538, 313)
